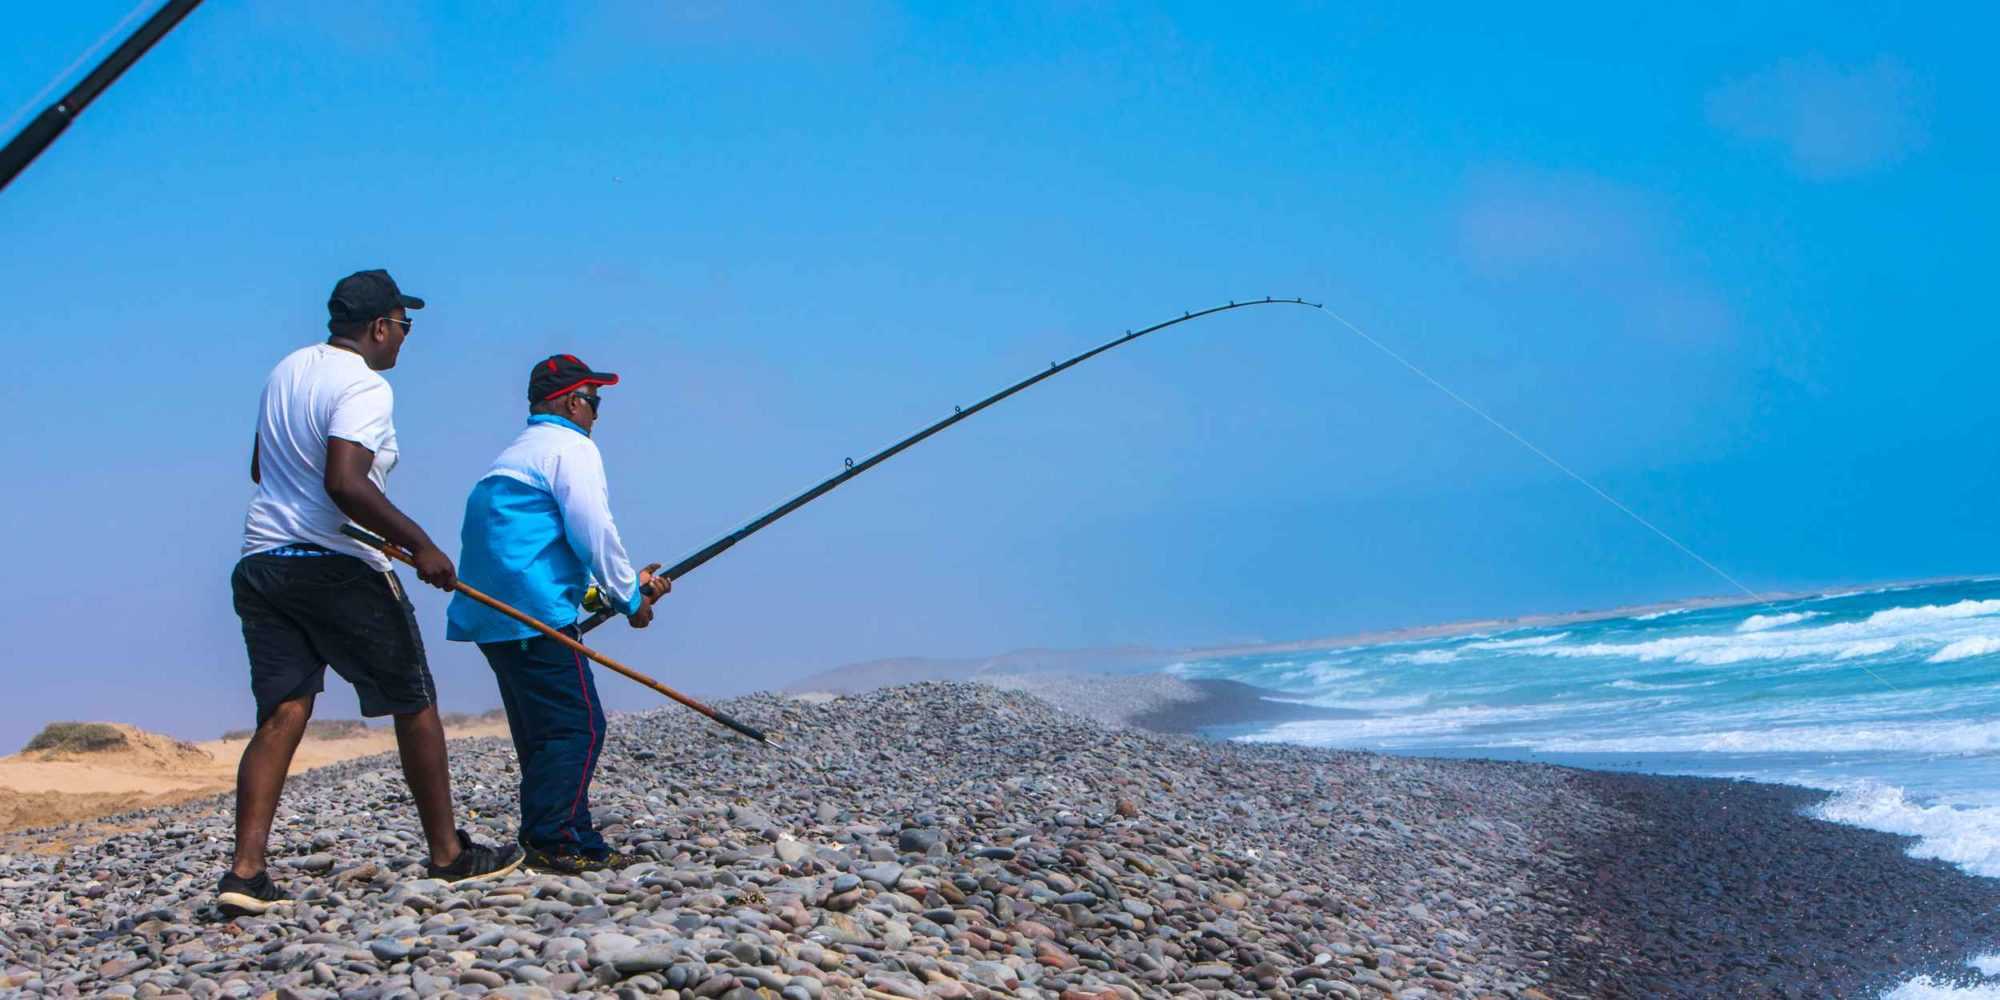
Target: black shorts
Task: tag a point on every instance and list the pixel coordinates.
(304, 613)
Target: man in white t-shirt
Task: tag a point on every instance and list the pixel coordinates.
(310, 597)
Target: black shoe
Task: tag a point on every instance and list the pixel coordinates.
(570, 861)
(476, 861)
(242, 897)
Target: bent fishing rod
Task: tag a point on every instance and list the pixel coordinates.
(394, 551)
(603, 613)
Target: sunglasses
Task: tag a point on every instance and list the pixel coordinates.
(591, 398)
(408, 324)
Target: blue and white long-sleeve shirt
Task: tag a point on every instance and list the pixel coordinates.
(537, 528)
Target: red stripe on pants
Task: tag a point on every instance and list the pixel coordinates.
(590, 756)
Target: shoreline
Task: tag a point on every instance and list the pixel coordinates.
(957, 840)
(1728, 888)
(1708, 886)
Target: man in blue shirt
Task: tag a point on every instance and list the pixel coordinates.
(537, 531)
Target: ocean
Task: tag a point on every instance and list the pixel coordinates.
(1889, 698)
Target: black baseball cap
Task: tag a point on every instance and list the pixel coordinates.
(366, 295)
(561, 373)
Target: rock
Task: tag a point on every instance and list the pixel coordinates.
(887, 873)
(607, 946)
(643, 958)
(751, 819)
(482, 977)
(894, 984)
(388, 951)
(917, 841)
(118, 968)
(993, 975)
(531, 974)
(558, 949)
(715, 986)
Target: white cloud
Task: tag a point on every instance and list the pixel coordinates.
(1833, 121)
(1519, 220)
(1587, 238)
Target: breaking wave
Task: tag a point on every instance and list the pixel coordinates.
(1424, 657)
(1965, 836)
(1926, 988)
(1954, 737)
(1531, 642)
(1628, 684)
(1970, 646)
(1758, 623)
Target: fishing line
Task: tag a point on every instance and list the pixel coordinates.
(42, 95)
(1571, 473)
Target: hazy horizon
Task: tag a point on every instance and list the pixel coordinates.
(1246, 646)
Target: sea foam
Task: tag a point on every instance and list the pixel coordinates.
(1530, 642)
(1762, 637)
(1970, 646)
(1926, 988)
(1424, 657)
(1759, 623)
(1628, 684)
(1967, 836)
(1943, 736)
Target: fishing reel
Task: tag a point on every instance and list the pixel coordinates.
(595, 602)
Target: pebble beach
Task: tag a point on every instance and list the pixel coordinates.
(958, 840)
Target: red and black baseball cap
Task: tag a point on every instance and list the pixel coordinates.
(563, 373)
(367, 295)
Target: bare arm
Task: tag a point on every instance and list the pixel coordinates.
(256, 450)
(356, 495)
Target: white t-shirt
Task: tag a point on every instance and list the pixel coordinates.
(317, 393)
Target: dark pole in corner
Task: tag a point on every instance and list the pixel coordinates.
(46, 126)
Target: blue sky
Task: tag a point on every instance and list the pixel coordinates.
(1729, 264)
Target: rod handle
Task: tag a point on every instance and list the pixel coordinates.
(601, 616)
(375, 541)
(393, 551)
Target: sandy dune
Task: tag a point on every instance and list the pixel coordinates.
(45, 788)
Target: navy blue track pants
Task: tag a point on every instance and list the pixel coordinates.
(558, 726)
